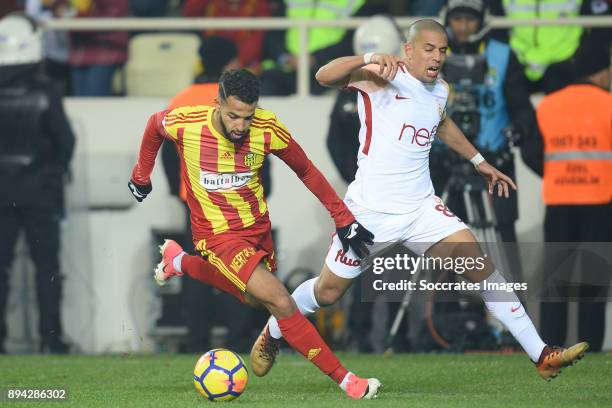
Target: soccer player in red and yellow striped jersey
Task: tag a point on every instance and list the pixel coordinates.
(222, 150)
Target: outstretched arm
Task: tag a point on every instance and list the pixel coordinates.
(152, 139)
(340, 72)
(452, 136)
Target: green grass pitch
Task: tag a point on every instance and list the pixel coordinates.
(416, 380)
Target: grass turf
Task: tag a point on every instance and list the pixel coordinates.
(409, 381)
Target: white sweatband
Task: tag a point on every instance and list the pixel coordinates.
(477, 159)
(367, 58)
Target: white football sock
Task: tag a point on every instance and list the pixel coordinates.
(507, 308)
(176, 262)
(304, 297)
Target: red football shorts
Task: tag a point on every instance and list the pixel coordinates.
(236, 254)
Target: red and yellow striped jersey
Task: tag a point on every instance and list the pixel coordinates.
(222, 178)
(224, 189)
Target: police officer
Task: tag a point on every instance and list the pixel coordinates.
(576, 129)
(36, 145)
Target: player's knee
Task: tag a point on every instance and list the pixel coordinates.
(251, 301)
(284, 305)
(327, 296)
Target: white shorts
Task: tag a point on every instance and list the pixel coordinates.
(420, 229)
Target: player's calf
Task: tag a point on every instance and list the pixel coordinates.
(329, 287)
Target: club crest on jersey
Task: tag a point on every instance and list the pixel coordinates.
(224, 181)
(252, 159)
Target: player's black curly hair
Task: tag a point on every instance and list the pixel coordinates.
(239, 83)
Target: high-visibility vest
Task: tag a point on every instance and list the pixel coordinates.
(196, 94)
(319, 37)
(539, 46)
(576, 125)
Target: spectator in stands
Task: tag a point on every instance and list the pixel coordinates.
(574, 157)
(149, 8)
(217, 55)
(94, 55)
(324, 43)
(56, 45)
(425, 7)
(249, 42)
(35, 151)
(546, 51)
(10, 6)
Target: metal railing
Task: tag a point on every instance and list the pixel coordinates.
(303, 72)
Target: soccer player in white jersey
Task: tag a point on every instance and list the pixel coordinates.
(402, 107)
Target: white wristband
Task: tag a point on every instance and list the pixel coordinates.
(477, 159)
(367, 58)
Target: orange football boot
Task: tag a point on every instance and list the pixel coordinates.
(553, 359)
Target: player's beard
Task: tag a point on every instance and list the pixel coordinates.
(228, 134)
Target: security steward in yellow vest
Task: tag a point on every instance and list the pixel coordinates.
(576, 128)
(281, 48)
(546, 51)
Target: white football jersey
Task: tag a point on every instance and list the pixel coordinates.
(398, 125)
